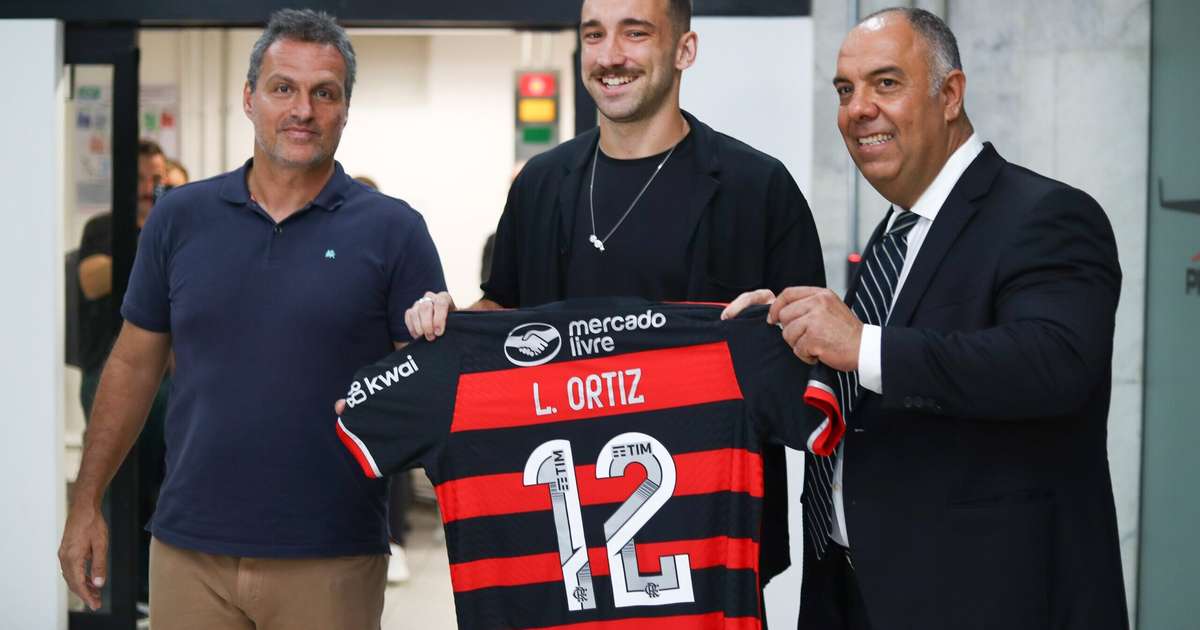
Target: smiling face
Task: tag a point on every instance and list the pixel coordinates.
(631, 57)
(299, 106)
(897, 129)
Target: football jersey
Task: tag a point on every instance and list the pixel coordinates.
(597, 463)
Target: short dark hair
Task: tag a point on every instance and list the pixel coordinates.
(679, 12)
(303, 25)
(149, 148)
(943, 46)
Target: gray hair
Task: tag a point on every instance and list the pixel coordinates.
(303, 25)
(943, 47)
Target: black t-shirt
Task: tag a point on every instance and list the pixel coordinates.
(96, 316)
(649, 254)
(529, 422)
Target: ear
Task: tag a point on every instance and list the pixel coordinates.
(685, 50)
(954, 90)
(247, 100)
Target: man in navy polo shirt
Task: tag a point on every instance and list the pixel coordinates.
(272, 284)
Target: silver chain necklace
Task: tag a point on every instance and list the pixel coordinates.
(593, 239)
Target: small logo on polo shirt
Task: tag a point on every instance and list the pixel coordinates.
(330, 254)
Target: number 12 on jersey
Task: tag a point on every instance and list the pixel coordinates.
(552, 464)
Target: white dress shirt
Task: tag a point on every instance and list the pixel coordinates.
(870, 360)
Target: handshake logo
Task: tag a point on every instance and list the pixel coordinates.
(532, 344)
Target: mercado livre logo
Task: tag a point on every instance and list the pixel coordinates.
(532, 344)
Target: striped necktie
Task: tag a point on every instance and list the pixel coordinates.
(835, 393)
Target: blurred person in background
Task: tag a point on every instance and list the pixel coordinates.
(96, 337)
(272, 284)
(652, 204)
(177, 175)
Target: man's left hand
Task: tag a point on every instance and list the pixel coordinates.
(818, 326)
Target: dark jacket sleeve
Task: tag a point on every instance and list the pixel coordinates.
(794, 257)
(1055, 301)
(502, 284)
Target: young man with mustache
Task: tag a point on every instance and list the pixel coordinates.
(653, 204)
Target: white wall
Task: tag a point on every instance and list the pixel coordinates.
(32, 594)
(752, 81)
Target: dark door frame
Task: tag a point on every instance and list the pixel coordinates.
(116, 46)
(524, 14)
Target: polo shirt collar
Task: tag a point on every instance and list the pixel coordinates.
(236, 190)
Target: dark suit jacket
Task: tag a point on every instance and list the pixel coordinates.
(977, 486)
(751, 228)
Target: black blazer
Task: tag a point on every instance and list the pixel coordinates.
(977, 488)
(751, 228)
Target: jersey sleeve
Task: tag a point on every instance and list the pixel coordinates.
(775, 384)
(398, 410)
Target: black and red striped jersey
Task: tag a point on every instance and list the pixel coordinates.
(598, 463)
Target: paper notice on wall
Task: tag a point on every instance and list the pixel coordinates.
(158, 116)
(93, 148)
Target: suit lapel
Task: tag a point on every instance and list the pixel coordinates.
(707, 165)
(954, 215)
(706, 187)
(567, 201)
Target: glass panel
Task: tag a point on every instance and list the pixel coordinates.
(1169, 555)
(87, 241)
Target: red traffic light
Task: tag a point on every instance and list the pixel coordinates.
(537, 85)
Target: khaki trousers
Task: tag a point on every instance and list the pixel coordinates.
(191, 590)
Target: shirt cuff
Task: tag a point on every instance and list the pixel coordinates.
(870, 359)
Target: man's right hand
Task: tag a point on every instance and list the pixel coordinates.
(427, 316)
(83, 554)
(746, 300)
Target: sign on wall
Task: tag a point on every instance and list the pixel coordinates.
(93, 147)
(158, 116)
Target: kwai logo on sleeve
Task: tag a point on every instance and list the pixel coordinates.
(532, 344)
(375, 384)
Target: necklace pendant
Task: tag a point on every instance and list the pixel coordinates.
(596, 242)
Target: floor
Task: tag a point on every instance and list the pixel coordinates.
(425, 601)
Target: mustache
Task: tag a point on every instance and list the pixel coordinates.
(620, 72)
(298, 123)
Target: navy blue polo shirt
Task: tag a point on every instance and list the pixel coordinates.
(269, 323)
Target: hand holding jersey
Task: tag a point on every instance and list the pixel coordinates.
(689, 398)
(427, 316)
(816, 323)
